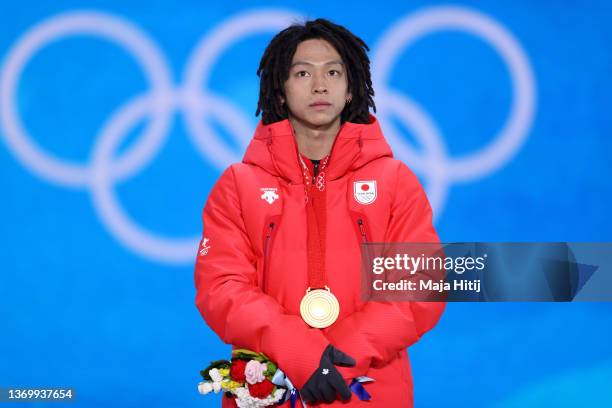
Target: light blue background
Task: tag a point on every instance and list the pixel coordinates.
(80, 309)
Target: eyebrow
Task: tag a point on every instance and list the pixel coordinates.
(334, 62)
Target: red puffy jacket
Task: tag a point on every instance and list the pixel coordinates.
(251, 269)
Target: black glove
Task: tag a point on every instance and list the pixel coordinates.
(326, 381)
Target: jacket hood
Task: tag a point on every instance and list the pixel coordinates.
(274, 149)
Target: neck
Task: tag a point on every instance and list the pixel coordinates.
(314, 142)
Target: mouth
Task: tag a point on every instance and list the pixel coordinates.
(320, 105)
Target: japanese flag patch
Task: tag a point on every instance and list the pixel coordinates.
(365, 191)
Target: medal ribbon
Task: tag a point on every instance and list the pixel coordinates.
(316, 223)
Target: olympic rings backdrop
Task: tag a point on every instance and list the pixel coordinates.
(116, 119)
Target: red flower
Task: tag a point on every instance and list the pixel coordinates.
(237, 370)
(261, 389)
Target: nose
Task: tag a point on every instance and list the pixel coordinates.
(319, 86)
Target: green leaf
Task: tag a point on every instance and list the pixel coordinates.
(271, 370)
(244, 354)
(214, 364)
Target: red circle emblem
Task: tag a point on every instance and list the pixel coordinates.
(365, 187)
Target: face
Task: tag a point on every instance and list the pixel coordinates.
(317, 88)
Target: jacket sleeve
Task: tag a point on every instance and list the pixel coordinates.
(230, 300)
(375, 334)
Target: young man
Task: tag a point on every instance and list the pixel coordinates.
(279, 267)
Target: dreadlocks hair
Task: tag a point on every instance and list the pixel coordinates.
(274, 67)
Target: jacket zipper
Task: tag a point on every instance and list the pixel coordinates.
(366, 250)
(364, 238)
(267, 255)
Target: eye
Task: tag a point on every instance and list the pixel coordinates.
(302, 74)
(334, 72)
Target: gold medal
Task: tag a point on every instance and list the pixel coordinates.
(319, 308)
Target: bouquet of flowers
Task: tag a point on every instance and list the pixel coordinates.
(251, 378)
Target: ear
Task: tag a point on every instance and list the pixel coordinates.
(349, 97)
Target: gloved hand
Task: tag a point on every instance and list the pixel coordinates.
(326, 381)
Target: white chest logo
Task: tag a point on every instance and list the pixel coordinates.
(365, 191)
(269, 195)
(205, 247)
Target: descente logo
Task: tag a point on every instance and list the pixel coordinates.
(269, 194)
